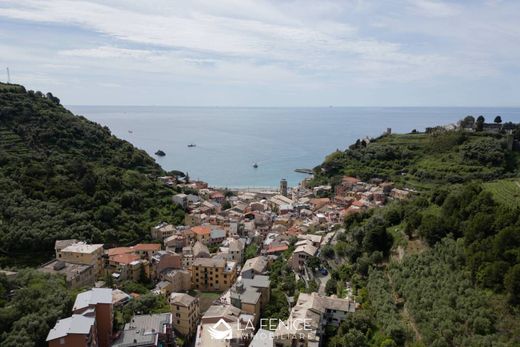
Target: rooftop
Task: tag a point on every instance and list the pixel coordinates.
(82, 247)
(61, 267)
(201, 230)
(182, 299)
(93, 297)
(76, 324)
(143, 330)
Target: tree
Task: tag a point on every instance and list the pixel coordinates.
(468, 121)
(251, 251)
(512, 284)
(313, 262)
(498, 119)
(480, 123)
(331, 287)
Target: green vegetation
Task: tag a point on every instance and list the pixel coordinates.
(422, 160)
(62, 176)
(506, 192)
(30, 304)
(441, 269)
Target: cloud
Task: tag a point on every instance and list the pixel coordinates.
(434, 8)
(290, 45)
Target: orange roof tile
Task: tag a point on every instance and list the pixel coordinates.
(201, 230)
(124, 258)
(275, 249)
(147, 247)
(119, 250)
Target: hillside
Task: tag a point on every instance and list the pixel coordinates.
(424, 160)
(442, 268)
(62, 176)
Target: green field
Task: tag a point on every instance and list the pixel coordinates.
(506, 192)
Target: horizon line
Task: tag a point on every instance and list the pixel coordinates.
(328, 106)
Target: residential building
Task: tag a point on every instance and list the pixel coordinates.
(225, 317)
(185, 312)
(251, 294)
(90, 323)
(74, 331)
(316, 312)
(82, 253)
(254, 266)
(175, 242)
(213, 274)
(76, 275)
(162, 231)
(180, 280)
(149, 330)
(180, 200)
(304, 250)
(98, 303)
(217, 236)
(236, 250)
(200, 250)
(202, 233)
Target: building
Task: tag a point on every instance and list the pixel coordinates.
(61, 244)
(90, 323)
(74, 331)
(304, 251)
(213, 274)
(283, 187)
(315, 239)
(225, 318)
(185, 312)
(162, 231)
(164, 260)
(254, 266)
(149, 330)
(180, 280)
(251, 294)
(202, 233)
(82, 253)
(236, 250)
(316, 312)
(175, 242)
(76, 275)
(180, 200)
(98, 303)
(200, 250)
(127, 267)
(217, 236)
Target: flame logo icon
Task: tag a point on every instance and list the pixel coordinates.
(221, 330)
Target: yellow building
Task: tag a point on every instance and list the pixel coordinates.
(82, 253)
(212, 274)
(185, 312)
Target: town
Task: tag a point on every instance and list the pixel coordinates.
(214, 271)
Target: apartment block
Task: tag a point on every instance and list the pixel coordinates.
(185, 312)
(213, 274)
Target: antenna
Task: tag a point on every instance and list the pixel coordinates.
(8, 76)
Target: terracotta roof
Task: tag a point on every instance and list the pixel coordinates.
(147, 247)
(119, 250)
(277, 249)
(124, 258)
(201, 230)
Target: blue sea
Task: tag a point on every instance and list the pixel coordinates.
(230, 140)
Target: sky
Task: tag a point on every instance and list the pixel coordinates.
(265, 52)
